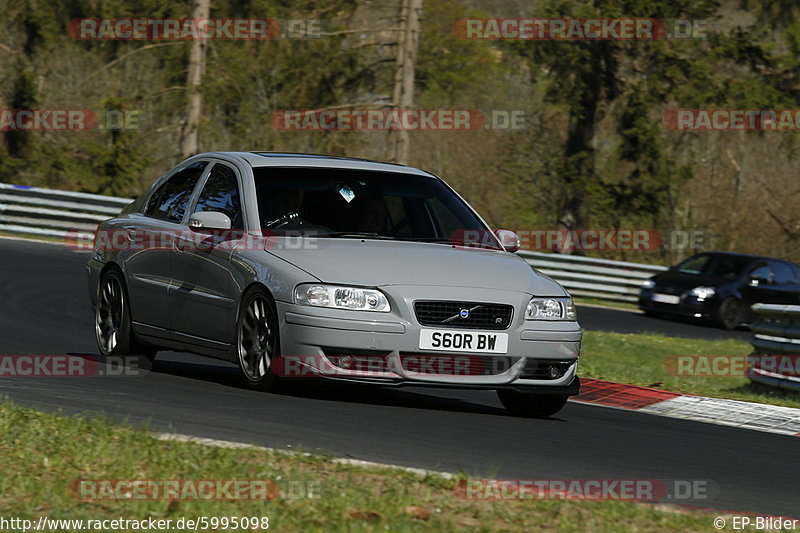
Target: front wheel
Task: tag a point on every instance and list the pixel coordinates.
(729, 313)
(531, 405)
(257, 339)
(112, 319)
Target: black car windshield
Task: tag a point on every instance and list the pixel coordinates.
(715, 265)
(346, 203)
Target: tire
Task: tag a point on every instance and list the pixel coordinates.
(112, 320)
(729, 313)
(258, 339)
(531, 405)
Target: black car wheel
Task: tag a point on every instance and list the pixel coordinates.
(115, 336)
(729, 313)
(258, 342)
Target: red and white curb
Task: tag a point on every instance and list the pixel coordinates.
(745, 415)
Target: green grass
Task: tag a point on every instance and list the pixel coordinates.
(42, 453)
(640, 360)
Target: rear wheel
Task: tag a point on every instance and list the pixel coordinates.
(729, 313)
(113, 330)
(257, 339)
(531, 405)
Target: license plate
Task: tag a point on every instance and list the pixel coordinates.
(463, 341)
(666, 298)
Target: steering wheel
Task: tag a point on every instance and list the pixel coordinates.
(286, 218)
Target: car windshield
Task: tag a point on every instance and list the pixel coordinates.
(716, 265)
(346, 203)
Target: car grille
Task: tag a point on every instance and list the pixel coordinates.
(677, 291)
(545, 369)
(478, 315)
(456, 365)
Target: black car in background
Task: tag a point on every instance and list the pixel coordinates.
(720, 287)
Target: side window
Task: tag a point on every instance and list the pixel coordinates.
(221, 194)
(171, 199)
(762, 271)
(783, 273)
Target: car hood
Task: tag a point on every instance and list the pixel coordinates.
(376, 263)
(683, 281)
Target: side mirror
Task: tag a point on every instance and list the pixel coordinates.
(756, 281)
(209, 220)
(508, 239)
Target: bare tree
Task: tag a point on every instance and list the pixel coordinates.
(194, 98)
(404, 77)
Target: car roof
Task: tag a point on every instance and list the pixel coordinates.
(282, 159)
(752, 257)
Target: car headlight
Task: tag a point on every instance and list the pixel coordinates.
(703, 292)
(336, 297)
(648, 284)
(550, 309)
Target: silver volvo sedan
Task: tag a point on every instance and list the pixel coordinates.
(318, 267)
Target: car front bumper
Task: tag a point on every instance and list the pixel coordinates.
(385, 348)
(689, 306)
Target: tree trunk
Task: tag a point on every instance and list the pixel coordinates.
(404, 77)
(194, 97)
(579, 155)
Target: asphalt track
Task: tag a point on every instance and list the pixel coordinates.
(44, 310)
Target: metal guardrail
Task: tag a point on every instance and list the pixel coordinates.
(776, 332)
(595, 278)
(53, 213)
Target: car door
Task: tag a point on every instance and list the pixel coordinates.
(786, 285)
(760, 286)
(202, 304)
(147, 255)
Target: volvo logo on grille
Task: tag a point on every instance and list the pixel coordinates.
(464, 313)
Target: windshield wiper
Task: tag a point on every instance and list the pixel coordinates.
(441, 240)
(431, 240)
(357, 235)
